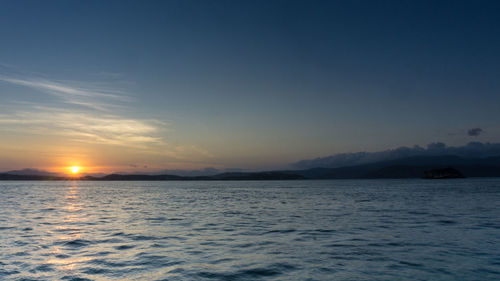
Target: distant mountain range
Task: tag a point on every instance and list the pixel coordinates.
(183, 173)
(409, 167)
(135, 177)
(31, 172)
(468, 151)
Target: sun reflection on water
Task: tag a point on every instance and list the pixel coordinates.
(68, 230)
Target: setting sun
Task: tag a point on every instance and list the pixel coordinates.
(75, 169)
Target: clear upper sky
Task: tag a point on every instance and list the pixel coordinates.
(117, 85)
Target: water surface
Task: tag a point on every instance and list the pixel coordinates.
(272, 230)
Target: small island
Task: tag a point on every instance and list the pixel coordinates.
(444, 173)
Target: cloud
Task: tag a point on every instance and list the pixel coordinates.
(87, 112)
(85, 127)
(94, 118)
(474, 132)
(470, 150)
(88, 127)
(81, 94)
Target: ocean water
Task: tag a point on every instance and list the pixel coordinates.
(251, 230)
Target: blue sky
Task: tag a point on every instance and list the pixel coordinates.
(247, 84)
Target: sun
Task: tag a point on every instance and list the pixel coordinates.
(75, 169)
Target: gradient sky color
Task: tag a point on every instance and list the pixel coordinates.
(150, 85)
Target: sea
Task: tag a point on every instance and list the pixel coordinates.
(410, 229)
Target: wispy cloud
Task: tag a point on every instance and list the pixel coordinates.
(93, 118)
(86, 127)
(89, 96)
(88, 113)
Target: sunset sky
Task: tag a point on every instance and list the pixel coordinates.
(151, 85)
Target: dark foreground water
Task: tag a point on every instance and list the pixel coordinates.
(287, 230)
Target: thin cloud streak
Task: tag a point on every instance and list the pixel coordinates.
(95, 118)
(91, 97)
(86, 127)
(96, 124)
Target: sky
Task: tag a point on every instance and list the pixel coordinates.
(152, 85)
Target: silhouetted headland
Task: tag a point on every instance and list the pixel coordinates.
(445, 173)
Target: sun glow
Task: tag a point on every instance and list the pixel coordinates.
(75, 169)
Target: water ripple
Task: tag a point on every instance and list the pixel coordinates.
(300, 230)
